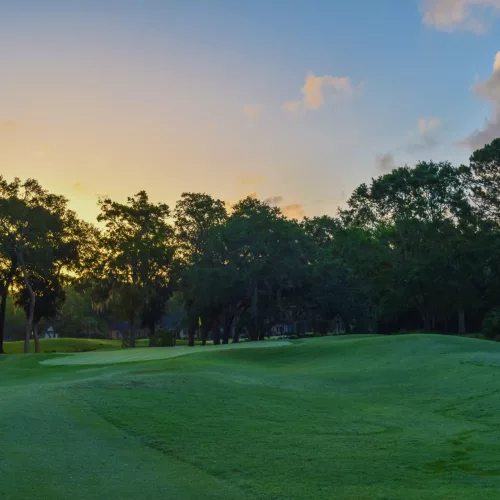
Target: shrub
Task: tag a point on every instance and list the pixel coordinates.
(162, 338)
(491, 323)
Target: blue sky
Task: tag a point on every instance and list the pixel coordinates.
(300, 100)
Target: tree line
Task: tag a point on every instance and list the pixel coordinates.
(414, 249)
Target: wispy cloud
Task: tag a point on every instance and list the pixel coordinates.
(316, 89)
(426, 126)
(488, 91)
(79, 188)
(385, 163)
(252, 110)
(274, 200)
(424, 138)
(294, 211)
(460, 15)
(293, 106)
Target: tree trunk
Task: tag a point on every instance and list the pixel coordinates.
(216, 334)
(261, 330)
(3, 307)
(461, 320)
(237, 331)
(228, 322)
(134, 326)
(205, 328)
(152, 330)
(191, 334)
(131, 342)
(37, 339)
(3, 300)
(31, 307)
(254, 330)
(427, 323)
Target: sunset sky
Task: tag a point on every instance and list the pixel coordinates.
(299, 101)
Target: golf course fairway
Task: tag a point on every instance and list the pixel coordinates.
(352, 417)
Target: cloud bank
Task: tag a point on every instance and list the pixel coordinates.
(460, 15)
(316, 89)
(488, 91)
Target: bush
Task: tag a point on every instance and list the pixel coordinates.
(491, 323)
(162, 338)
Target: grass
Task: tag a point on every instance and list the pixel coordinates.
(77, 345)
(64, 345)
(404, 417)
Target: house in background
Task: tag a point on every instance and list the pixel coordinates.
(118, 329)
(176, 321)
(49, 333)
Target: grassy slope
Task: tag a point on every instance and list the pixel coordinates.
(347, 418)
(63, 345)
(75, 345)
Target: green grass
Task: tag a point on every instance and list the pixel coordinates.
(64, 345)
(77, 345)
(404, 417)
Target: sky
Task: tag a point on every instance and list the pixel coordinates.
(297, 102)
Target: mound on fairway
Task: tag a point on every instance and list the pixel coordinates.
(357, 418)
(136, 355)
(64, 345)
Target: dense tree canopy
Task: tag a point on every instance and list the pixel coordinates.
(414, 249)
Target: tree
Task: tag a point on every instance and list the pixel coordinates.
(247, 270)
(197, 216)
(138, 255)
(413, 209)
(39, 237)
(50, 298)
(484, 173)
(78, 316)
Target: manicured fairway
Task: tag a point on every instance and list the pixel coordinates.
(64, 345)
(138, 355)
(406, 417)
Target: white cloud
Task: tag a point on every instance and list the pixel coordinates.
(455, 15)
(316, 89)
(496, 64)
(424, 138)
(489, 91)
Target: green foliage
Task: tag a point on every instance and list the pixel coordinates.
(491, 323)
(14, 321)
(40, 241)
(78, 317)
(137, 261)
(415, 249)
(162, 338)
(485, 176)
